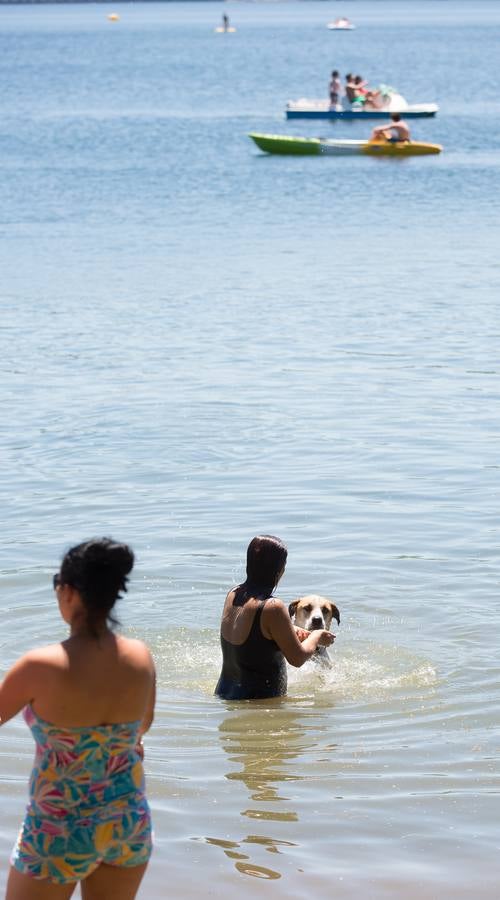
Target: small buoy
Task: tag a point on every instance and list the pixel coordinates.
(114, 17)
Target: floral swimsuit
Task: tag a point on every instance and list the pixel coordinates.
(87, 803)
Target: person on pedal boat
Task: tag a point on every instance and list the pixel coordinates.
(350, 88)
(335, 89)
(359, 88)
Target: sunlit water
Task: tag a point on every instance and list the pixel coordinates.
(199, 343)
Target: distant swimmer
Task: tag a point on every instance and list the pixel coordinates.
(395, 131)
(225, 27)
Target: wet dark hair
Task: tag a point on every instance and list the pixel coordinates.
(335, 74)
(266, 558)
(395, 117)
(98, 569)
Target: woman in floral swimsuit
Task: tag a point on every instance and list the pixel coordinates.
(87, 701)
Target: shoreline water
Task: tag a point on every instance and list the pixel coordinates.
(199, 343)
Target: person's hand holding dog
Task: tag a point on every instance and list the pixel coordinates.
(301, 633)
(327, 638)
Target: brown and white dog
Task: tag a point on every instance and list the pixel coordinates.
(313, 612)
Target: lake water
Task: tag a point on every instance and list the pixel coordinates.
(200, 343)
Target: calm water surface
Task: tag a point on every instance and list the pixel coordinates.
(198, 343)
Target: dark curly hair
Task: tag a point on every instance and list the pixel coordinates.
(98, 569)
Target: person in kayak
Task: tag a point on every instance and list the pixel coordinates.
(396, 131)
(257, 635)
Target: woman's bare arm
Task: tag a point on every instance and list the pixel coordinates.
(149, 714)
(16, 689)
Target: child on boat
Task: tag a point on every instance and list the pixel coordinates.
(335, 88)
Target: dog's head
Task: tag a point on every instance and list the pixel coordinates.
(313, 612)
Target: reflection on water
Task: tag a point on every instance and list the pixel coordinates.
(242, 863)
(264, 740)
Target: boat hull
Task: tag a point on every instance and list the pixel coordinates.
(290, 145)
(285, 145)
(424, 111)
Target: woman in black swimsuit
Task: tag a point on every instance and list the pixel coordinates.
(257, 634)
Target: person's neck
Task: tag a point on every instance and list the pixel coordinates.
(81, 631)
(259, 591)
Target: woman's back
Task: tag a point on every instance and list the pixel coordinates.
(80, 682)
(253, 665)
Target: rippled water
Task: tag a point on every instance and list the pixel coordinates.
(199, 342)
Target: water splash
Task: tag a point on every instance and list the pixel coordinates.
(189, 660)
(366, 671)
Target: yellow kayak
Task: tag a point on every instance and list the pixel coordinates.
(291, 145)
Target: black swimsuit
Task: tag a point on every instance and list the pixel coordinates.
(253, 670)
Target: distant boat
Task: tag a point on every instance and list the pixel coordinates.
(290, 145)
(113, 17)
(341, 24)
(394, 102)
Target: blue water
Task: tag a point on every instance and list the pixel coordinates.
(199, 342)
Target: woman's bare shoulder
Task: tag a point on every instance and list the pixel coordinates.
(230, 598)
(35, 665)
(50, 655)
(275, 610)
(134, 651)
(275, 605)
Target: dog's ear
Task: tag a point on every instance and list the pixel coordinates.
(335, 613)
(292, 608)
